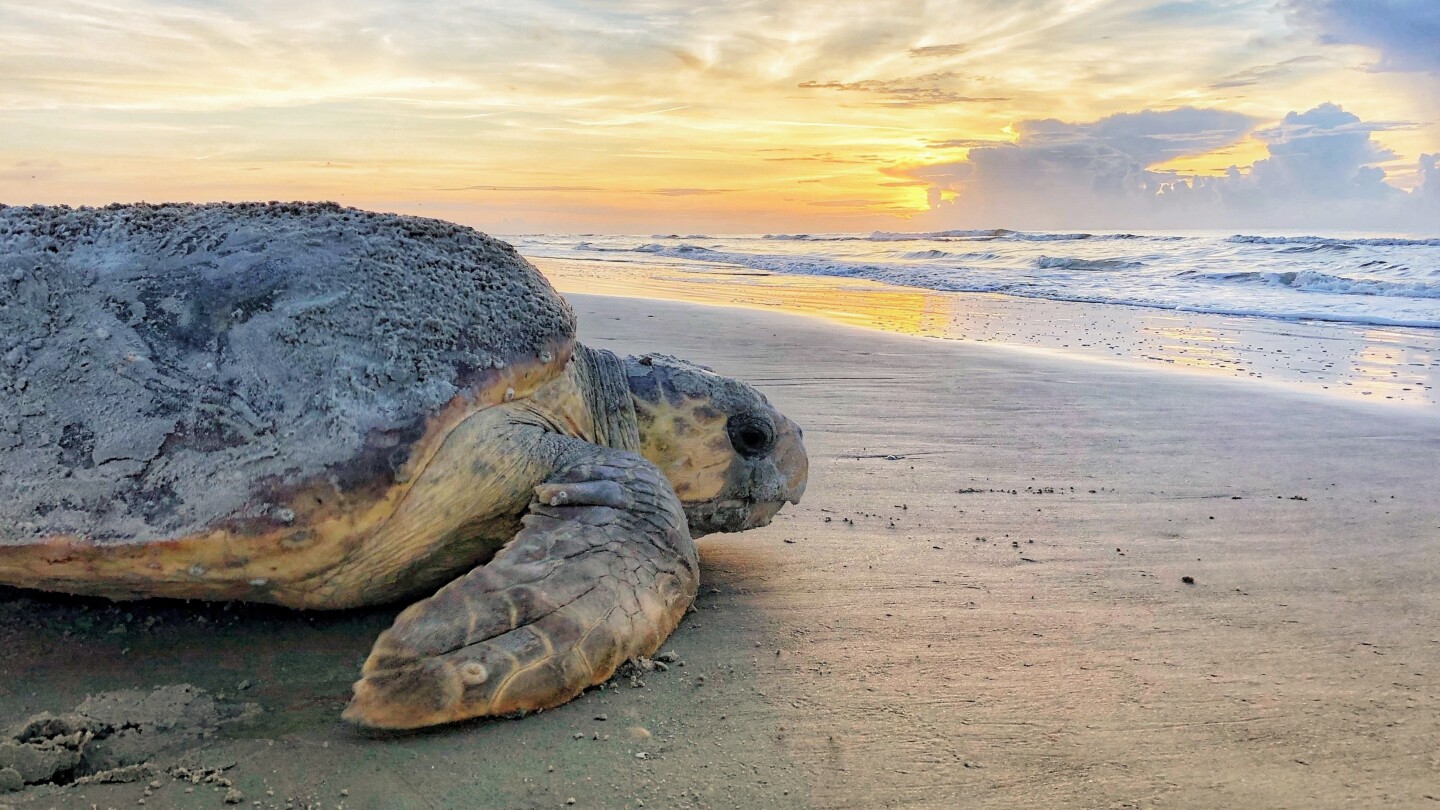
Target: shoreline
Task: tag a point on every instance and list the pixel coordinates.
(1391, 365)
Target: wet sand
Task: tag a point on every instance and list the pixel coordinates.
(980, 603)
(1396, 365)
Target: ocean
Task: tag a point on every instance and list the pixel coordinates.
(1366, 279)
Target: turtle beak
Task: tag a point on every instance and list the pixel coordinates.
(780, 478)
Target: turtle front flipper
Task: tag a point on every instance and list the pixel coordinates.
(602, 571)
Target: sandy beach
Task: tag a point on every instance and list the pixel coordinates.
(1102, 339)
(1018, 579)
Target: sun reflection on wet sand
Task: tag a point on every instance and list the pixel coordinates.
(1390, 366)
(854, 302)
(1393, 364)
(1194, 346)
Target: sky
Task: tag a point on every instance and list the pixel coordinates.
(751, 116)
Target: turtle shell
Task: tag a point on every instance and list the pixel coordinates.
(172, 370)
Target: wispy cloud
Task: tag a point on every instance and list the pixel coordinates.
(927, 51)
(690, 192)
(31, 171)
(567, 189)
(910, 91)
(579, 115)
(1261, 74)
(965, 143)
(825, 157)
(862, 203)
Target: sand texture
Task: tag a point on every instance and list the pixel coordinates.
(160, 364)
(111, 736)
(981, 602)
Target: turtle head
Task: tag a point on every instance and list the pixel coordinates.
(732, 458)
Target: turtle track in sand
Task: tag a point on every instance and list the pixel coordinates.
(111, 736)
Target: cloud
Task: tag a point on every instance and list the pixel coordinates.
(567, 189)
(1427, 195)
(690, 192)
(927, 90)
(953, 49)
(823, 157)
(1149, 136)
(1053, 160)
(1430, 175)
(688, 59)
(1405, 32)
(1320, 171)
(849, 203)
(1324, 153)
(32, 171)
(964, 143)
(1263, 74)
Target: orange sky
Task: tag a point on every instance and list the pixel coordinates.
(632, 117)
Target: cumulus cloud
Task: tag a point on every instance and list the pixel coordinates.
(1427, 194)
(1320, 171)
(1324, 153)
(1054, 168)
(1405, 32)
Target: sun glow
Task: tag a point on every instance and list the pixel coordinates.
(565, 116)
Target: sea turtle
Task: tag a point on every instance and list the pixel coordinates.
(321, 407)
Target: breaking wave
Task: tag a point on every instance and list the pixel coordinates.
(1332, 242)
(1070, 263)
(1311, 281)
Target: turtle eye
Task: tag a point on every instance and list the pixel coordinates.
(750, 434)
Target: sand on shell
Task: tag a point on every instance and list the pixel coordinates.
(981, 603)
(168, 368)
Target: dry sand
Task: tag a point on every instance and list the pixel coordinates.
(979, 604)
